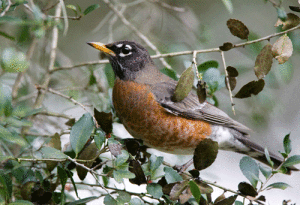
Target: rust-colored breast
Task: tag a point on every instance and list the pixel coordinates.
(146, 119)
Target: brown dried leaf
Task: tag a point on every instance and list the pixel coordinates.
(263, 62)
(55, 143)
(178, 189)
(204, 188)
(201, 91)
(238, 28)
(220, 198)
(226, 46)
(88, 153)
(228, 201)
(295, 8)
(253, 87)
(184, 85)
(232, 71)
(136, 168)
(104, 120)
(291, 21)
(282, 49)
(232, 82)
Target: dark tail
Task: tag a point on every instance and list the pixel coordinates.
(257, 152)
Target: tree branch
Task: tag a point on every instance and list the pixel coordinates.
(6, 9)
(181, 53)
(137, 32)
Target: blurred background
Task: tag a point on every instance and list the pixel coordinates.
(171, 26)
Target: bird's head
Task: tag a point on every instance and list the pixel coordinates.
(126, 57)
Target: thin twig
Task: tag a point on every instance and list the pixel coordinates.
(68, 17)
(188, 175)
(64, 11)
(53, 114)
(165, 5)
(181, 53)
(91, 171)
(69, 98)
(227, 81)
(6, 9)
(194, 62)
(137, 32)
(47, 77)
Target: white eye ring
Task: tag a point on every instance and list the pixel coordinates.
(123, 55)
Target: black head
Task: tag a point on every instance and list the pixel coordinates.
(126, 57)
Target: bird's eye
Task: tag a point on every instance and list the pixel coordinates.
(126, 50)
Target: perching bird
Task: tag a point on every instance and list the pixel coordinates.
(142, 100)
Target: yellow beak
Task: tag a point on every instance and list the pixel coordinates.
(102, 47)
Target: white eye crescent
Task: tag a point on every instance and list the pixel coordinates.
(125, 51)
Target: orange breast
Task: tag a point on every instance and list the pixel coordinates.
(146, 119)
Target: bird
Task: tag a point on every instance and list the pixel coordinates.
(142, 99)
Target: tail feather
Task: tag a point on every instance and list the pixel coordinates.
(258, 152)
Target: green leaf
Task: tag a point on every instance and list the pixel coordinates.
(121, 158)
(184, 85)
(155, 190)
(91, 8)
(247, 189)
(287, 144)
(263, 62)
(205, 154)
(250, 170)
(81, 132)
(21, 202)
(10, 19)
(123, 197)
(155, 162)
(73, 8)
(208, 64)
(119, 175)
(278, 185)
(93, 80)
(62, 175)
(13, 61)
(268, 157)
(136, 201)
(52, 153)
(195, 190)
(171, 175)
(281, 13)
(265, 171)
(109, 200)
(238, 203)
(9, 137)
(6, 108)
(6, 182)
(110, 75)
(293, 160)
(99, 138)
(169, 72)
(83, 201)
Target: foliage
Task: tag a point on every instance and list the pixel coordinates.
(34, 169)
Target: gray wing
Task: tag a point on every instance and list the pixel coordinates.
(190, 107)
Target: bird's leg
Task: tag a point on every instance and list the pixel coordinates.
(183, 168)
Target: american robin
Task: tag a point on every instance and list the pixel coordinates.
(142, 100)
